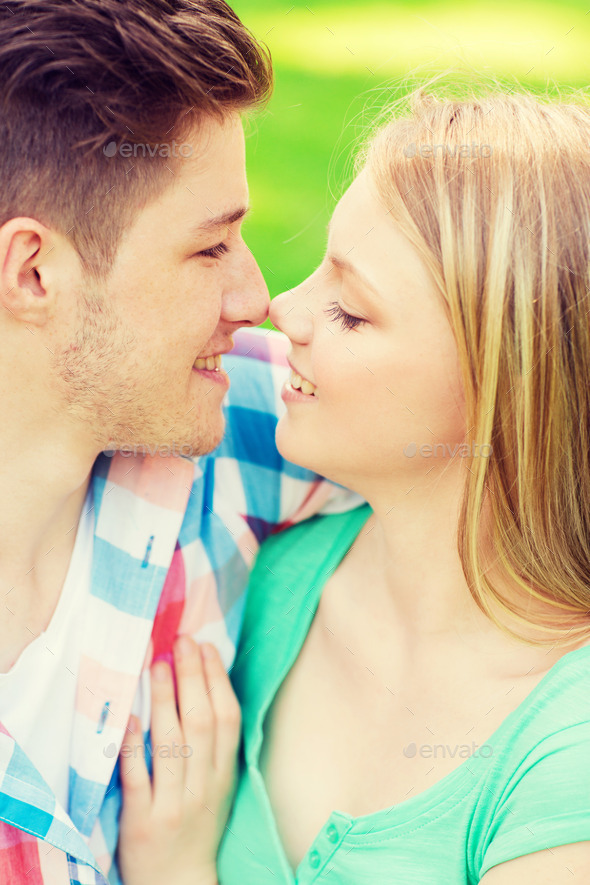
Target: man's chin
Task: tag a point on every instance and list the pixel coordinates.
(194, 446)
(169, 450)
(207, 442)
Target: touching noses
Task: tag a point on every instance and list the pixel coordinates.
(246, 300)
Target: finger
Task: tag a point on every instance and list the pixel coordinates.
(226, 709)
(135, 779)
(196, 713)
(167, 763)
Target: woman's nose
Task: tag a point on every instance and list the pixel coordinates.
(289, 315)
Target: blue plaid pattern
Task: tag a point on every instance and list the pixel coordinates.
(174, 540)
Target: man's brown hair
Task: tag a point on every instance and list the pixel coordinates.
(80, 77)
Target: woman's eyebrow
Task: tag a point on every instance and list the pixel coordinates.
(346, 265)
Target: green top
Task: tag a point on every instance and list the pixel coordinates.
(531, 793)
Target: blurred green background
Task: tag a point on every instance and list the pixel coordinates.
(336, 63)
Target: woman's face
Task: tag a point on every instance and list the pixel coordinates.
(369, 330)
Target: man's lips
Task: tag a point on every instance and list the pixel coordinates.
(212, 362)
(209, 362)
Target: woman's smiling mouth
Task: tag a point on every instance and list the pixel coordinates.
(302, 384)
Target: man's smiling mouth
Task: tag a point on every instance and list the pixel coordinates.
(211, 363)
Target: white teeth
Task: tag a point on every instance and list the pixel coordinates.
(210, 363)
(302, 384)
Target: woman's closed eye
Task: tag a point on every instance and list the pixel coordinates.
(347, 321)
(214, 252)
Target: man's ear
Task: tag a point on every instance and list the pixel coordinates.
(24, 243)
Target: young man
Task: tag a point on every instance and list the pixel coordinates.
(124, 277)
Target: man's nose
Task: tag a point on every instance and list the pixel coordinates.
(246, 300)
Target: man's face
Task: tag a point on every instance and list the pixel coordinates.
(183, 282)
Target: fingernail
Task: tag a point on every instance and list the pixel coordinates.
(183, 646)
(160, 672)
(209, 651)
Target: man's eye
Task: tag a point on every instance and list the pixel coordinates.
(347, 321)
(215, 251)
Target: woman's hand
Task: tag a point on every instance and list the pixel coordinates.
(170, 829)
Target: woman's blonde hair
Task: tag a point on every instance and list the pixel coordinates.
(494, 193)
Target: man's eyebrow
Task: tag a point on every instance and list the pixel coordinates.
(344, 264)
(220, 221)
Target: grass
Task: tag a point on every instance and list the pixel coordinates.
(330, 60)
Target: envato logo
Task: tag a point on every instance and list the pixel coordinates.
(129, 149)
(444, 450)
(164, 751)
(169, 450)
(444, 751)
(431, 151)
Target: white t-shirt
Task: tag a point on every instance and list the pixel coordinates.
(37, 695)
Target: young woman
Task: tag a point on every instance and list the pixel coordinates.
(415, 675)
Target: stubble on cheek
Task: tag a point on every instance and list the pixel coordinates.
(126, 397)
(92, 371)
(126, 402)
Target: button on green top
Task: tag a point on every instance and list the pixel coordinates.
(332, 833)
(314, 860)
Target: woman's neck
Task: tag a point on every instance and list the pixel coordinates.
(408, 556)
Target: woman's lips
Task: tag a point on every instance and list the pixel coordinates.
(302, 384)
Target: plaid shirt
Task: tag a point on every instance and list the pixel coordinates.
(174, 540)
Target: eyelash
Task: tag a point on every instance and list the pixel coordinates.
(348, 322)
(215, 251)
